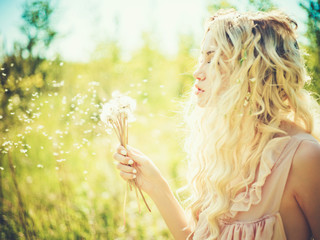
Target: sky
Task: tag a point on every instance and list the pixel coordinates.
(82, 24)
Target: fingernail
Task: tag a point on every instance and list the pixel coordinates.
(134, 171)
(134, 176)
(130, 161)
(123, 152)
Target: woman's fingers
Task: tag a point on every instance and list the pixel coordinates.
(121, 150)
(127, 176)
(131, 153)
(122, 159)
(126, 168)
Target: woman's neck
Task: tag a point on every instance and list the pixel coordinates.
(290, 128)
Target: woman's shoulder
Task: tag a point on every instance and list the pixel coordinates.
(305, 179)
(307, 156)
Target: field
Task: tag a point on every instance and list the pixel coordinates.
(58, 176)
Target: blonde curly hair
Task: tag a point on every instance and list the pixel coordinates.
(266, 75)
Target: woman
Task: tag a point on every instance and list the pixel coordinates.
(255, 158)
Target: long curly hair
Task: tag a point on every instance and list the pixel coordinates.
(266, 77)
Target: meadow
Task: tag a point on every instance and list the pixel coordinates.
(58, 176)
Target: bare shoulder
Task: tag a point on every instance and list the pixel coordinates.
(306, 178)
(307, 157)
(306, 163)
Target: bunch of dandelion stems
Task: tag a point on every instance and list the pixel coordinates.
(120, 126)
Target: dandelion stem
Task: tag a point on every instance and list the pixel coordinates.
(124, 205)
(142, 195)
(137, 199)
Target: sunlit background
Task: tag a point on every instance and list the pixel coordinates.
(84, 24)
(60, 60)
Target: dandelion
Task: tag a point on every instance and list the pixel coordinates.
(116, 114)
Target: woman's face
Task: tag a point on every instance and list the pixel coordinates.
(202, 87)
(203, 84)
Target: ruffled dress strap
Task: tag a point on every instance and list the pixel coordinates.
(255, 213)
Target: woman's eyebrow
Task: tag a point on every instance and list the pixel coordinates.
(208, 52)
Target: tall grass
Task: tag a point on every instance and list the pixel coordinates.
(58, 179)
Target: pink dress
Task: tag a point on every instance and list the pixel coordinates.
(256, 216)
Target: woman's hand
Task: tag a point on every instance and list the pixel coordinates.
(133, 164)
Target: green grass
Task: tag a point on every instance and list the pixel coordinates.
(63, 168)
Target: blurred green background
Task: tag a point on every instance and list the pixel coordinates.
(57, 176)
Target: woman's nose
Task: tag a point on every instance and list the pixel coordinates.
(199, 74)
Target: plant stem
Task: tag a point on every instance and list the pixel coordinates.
(22, 212)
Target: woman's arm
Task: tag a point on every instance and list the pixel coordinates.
(171, 211)
(150, 180)
(306, 168)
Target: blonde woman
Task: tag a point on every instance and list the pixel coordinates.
(254, 170)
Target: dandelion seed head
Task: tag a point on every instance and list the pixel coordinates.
(108, 130)
(23, 150)
(94, 83)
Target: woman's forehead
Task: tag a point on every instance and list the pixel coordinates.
(209, 43)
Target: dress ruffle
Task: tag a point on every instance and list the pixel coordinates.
(260, 229)
(271, 153)
(265, 227)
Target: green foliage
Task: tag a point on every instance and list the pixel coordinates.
(26, 71)
(62, 156)
(313, 48)
(262, 5)
(222, 4)
(37, 26)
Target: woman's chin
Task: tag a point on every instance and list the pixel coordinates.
(201, 102)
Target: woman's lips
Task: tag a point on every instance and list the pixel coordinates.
(198, 90)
